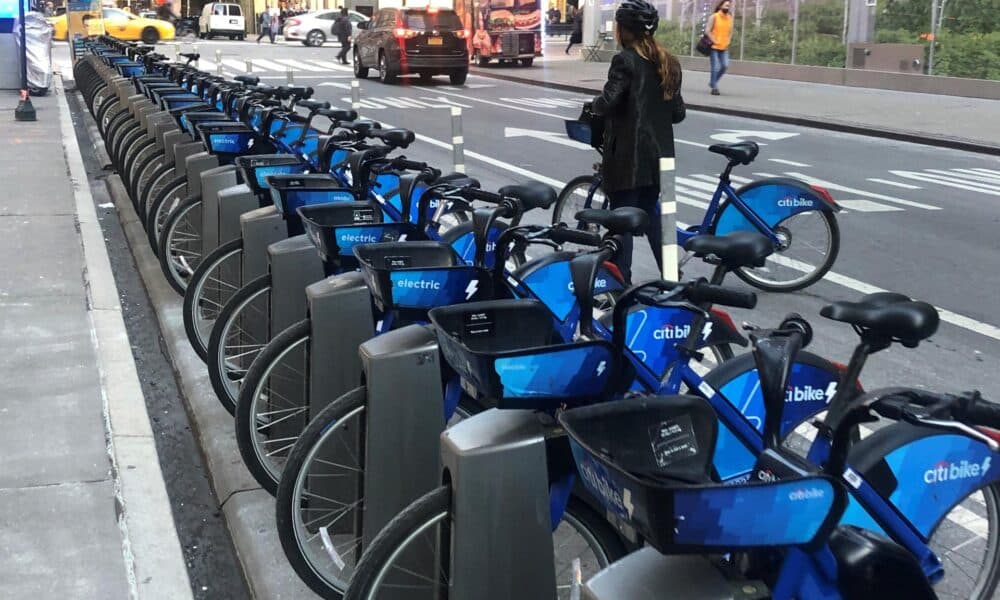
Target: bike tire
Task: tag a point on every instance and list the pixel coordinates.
(161, 178)
(169, 198)
(247, 416)
(143, 168)
(564, 203)
(986, 583)
(194, 294)
(190, 257)
(436, 506)
(216, 359)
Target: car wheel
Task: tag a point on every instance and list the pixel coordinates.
(385, 74)
(482, 60)
(241, 37)
(527, 62)
(361, 72)
(426, 77)
(458, 77)
(150, 35)
(315, 38)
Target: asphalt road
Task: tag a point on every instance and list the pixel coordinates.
(917, 220)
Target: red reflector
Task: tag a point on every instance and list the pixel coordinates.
(824, 194)
(724, 317)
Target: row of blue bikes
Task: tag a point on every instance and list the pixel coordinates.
(453, 395)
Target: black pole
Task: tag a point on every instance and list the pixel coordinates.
(24, 111)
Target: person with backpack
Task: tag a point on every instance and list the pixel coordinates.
(640, 104)
(342, 29)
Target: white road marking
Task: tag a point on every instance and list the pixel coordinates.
(309, 77)
(236, 65)
(967, 323)
(332, 65)
(266, 65)
(867, 206)
(970, 521)
(987, 176)
(971, 178)
(987, 171)
(688, 143)
(735, 136)
(930, 178)
(299, 64)
(905, 186)
(685, 196)
(842, 188)
(548, 136)
(759, 174)
(790, 163)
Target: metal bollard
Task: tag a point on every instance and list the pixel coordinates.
(355, 95)
(218, 62)
(177, 53)
(289, 76)
(457, 142)
(668, 220)
(194, 48)
(249, 65)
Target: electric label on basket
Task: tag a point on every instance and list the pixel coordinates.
(480, 323)
(364, 215)
(673, 440)
(397, 262)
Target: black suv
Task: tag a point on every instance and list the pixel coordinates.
(400, 41)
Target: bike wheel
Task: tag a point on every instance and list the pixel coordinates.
(163, 205)
(576, 197)
(272, 407)
(329, 450)
(967, 541)
(808, 246)
(425, 526)
(239, 334)
(180, 244)
(213, 283)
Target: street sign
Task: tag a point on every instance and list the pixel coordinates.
(734, 136)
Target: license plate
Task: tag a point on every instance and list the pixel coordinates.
(234, 22)
(435, 41)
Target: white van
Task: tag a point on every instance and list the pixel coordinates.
(222, 18)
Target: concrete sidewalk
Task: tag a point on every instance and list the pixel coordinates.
(84, 511)
(951, 121)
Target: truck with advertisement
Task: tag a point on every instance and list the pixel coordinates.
(507, 31)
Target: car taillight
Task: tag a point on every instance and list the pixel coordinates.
(405, 33)
(462, 34)
(293, 22)
(824, 194)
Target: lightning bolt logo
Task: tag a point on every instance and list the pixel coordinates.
(471, 289)
(707, 330)
(831, 390)
(601, 366)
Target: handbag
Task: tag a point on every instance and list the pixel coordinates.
(704, 46)
(596, 125)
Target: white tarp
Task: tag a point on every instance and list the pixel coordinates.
(39, 51)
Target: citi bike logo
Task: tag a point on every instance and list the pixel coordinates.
(805, 494)
(604, 490)
(808, 393)
(790, 202)
(599, 284)
(672, 332)
(949, 471)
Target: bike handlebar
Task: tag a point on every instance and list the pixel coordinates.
(566, 235)
(703, 292)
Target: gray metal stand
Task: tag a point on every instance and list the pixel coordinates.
(340, 309)
(404, 419)
(690, 577)
(499, 450)
(213, 181)
(259, 228)
(196, 164)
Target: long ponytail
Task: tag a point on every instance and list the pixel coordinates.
(667, 66)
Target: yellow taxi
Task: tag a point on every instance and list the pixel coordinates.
(124, 26)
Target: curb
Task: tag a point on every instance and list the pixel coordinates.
(839, 126)
(151, 550)
(248, 509)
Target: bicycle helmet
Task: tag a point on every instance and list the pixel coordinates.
(638, 16)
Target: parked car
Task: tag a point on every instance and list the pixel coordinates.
(122, 25)
(401, 41)
(315, 28)
(222, 18)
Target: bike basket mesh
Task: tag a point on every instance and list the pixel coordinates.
(510, 355)
(336, 228)
(256, 169)
(418, 276)
(579, 131)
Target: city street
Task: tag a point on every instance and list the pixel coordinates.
(918, 220)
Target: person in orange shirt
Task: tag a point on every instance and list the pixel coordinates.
(719, 29)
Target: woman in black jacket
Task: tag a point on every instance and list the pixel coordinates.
(641, 102)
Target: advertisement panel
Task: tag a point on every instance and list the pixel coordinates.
(507, 30)
(83, 20)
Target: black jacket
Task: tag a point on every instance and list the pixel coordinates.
(342, 28)
(639, 122)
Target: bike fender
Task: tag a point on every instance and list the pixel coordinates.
(723, 331)
(773, 199)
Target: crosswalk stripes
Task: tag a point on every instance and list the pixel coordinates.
(834, 187)
(952, 178)
(260, 64)
(905, 186)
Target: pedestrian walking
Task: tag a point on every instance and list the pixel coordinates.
(640, 104)
(275, 23)
(264, 25)
(342, 29)
(719, 29)
(577, 36)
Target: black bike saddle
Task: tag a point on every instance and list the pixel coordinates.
(734, 250)
(742, 153)
(888, 314)
(626, 219)
(531, 194)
